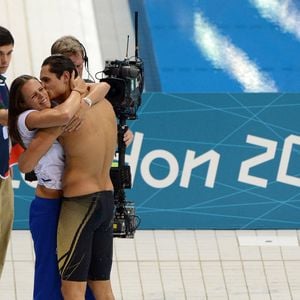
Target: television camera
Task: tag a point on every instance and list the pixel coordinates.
(126, 78)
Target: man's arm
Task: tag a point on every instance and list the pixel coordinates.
(128, 137)
(38, 147)
(3, 116)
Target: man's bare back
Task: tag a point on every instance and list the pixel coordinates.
(89, 152)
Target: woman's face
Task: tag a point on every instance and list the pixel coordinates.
(35, 95)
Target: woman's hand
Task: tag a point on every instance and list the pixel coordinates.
(78, 118)
(78, 84)
(74, 124)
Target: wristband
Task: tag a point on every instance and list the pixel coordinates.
(88, 101)
(76, 91)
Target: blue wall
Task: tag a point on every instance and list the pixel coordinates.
(210, 161)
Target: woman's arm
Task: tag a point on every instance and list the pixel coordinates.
(38, 147)
(61, 114)
(44, 138)
(97, 92)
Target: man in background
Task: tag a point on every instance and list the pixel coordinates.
(6, 190)
(72, 48)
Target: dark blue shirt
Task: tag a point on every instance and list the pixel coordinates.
(4, 143)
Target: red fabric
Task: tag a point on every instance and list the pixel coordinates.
(15, 153)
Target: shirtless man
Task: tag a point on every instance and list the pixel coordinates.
(85, 233)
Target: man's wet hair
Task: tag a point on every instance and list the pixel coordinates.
(58, 64)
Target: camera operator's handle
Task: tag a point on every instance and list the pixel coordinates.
(122, 128)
